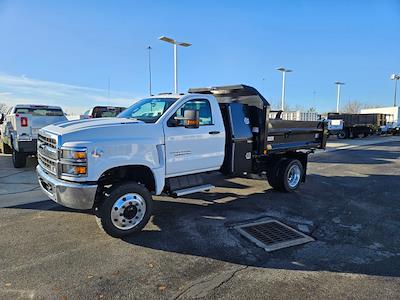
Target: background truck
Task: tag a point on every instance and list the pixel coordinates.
(19, 129)
(170, 144)
(392, 117)
(102, 112)
(355, 125)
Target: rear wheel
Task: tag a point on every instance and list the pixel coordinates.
(18, 159)
(125, 210)
(288, 175)
(342, 135)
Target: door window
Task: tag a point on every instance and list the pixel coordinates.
(201, 105)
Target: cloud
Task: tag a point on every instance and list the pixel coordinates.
(73, 99)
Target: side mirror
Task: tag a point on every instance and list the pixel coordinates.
(1, 118)
(191, 118)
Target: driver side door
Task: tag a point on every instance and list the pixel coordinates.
(194, 150)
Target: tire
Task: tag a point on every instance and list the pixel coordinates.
(289, 175)
(6, 149)
(126, 209)
(272, 175)
(342, 135)
(18, 159)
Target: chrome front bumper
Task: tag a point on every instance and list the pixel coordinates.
(73, 195)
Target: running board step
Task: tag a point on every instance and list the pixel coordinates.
(193, 189)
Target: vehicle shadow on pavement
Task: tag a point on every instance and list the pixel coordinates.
(354, 230)
(353, 219)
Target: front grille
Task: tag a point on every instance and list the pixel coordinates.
(47, 141)
(47, 153)
(48, 164)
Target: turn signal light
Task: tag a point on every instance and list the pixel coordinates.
(80, 170)
(192, 122)
(79, 155)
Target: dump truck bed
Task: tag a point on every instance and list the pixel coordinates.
(286, 135)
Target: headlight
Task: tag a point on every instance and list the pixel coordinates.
(74, 154)
(73, 161)
(73, 170)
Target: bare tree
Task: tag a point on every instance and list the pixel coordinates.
(352, 107)
(3, 108)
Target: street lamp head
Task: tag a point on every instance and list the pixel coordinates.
(172, 41)
(184, 44)
(339, 83)
(282, 69)
(395, 77)
(167, 39)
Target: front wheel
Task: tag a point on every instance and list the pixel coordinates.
(125, 210)
(18, 159)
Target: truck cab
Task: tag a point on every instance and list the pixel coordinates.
(169, 144)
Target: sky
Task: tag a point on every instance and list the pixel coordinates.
(78, 54)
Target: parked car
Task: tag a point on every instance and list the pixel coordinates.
(102, 112)
(169, 144)
(19, 129)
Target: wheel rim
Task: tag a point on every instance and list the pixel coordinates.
(128, 211)
(294, 175)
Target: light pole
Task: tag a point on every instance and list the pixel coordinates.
(395, 77)
(176, 44)
(149, 48)
(284, 71)
(338, 84)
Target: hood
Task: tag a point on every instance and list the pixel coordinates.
(88, 124)
(105, 131)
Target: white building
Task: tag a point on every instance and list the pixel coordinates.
(392, 112)
(296, 116)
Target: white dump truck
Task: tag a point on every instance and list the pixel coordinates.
(19, 129)
(169, 144)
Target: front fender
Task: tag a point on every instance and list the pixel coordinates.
(105, 157)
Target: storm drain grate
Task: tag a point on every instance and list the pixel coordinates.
(272, 235)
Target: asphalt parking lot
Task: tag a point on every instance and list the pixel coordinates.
(349, 204)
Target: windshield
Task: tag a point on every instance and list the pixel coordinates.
(40, 111)
(106, 111)
(148, 110)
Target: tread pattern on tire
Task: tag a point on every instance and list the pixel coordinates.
(102, 210)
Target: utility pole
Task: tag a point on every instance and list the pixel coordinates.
(284, 71)
(176, 44)
(396, 78)
(338, 84)
(149, 48)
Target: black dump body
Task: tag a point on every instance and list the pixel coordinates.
(353, 120)
(250, 132)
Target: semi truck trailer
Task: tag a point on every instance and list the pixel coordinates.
(169, 144)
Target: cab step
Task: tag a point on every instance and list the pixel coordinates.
(192, 190)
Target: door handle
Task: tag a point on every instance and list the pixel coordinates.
(214, 132)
